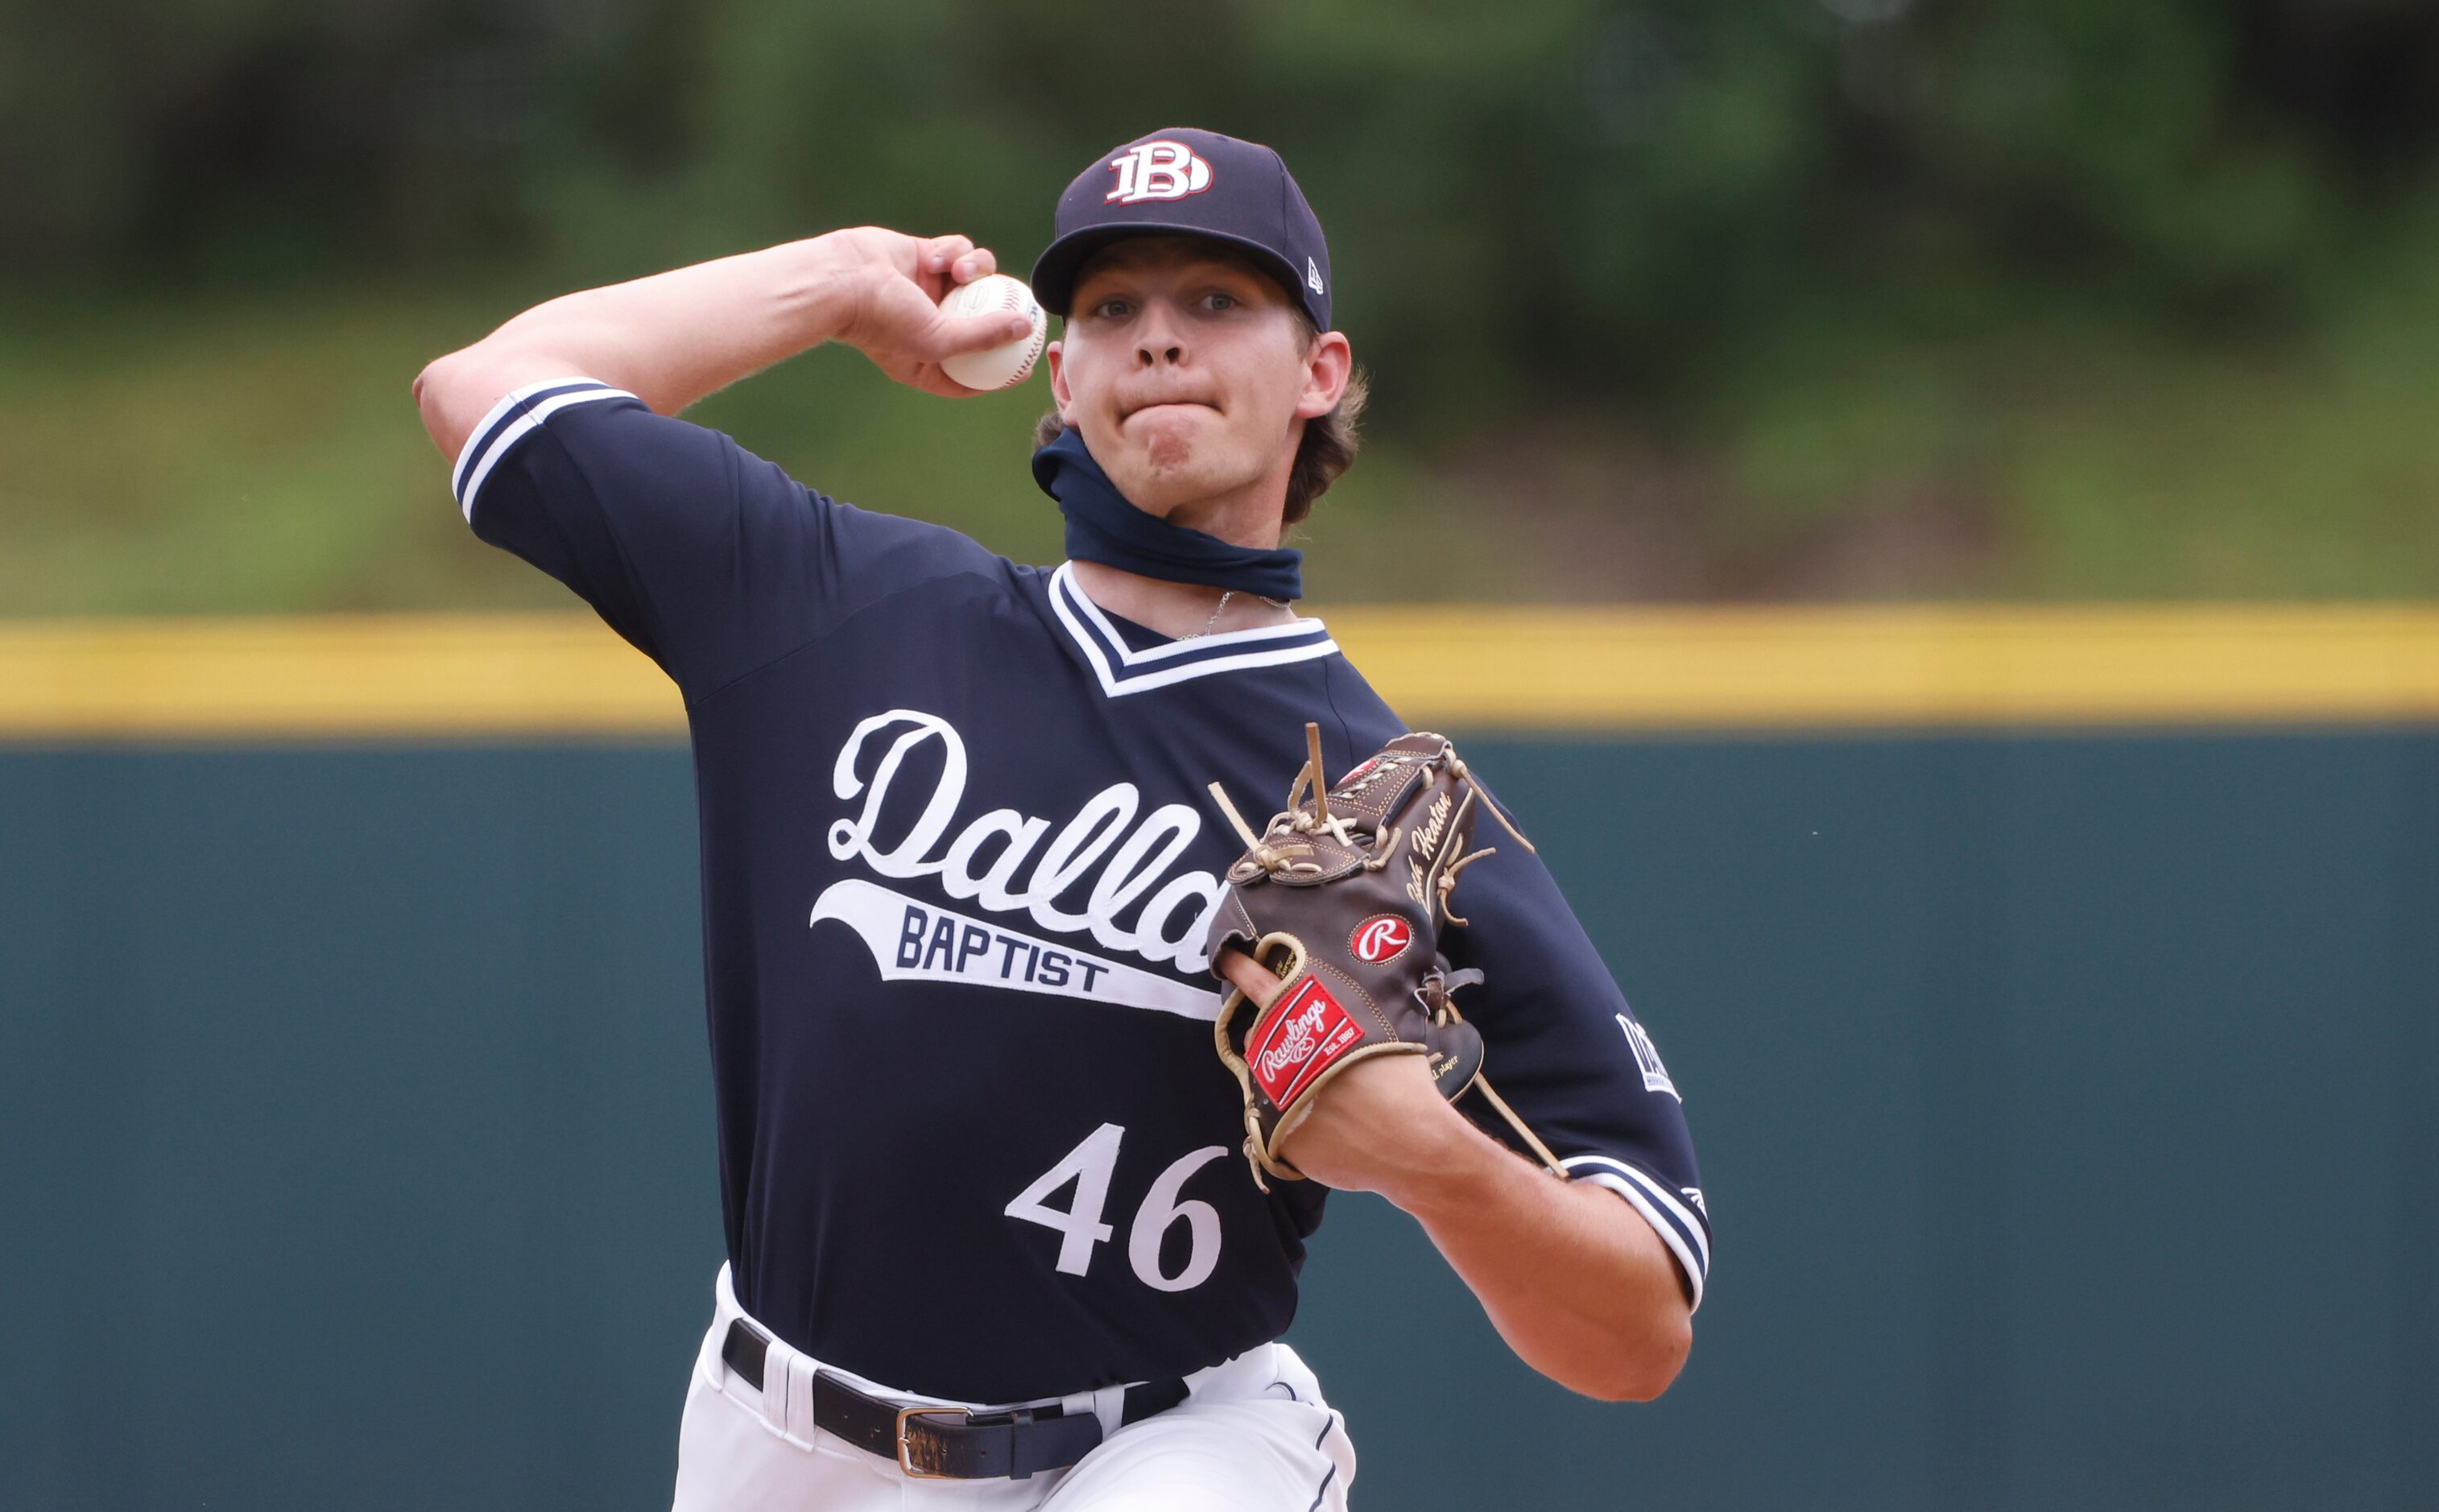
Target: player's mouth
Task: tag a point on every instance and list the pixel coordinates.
(1168, 404)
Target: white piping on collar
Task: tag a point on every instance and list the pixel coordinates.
(1129, 656)
(1309, 638)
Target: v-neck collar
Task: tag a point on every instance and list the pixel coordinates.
(1122, 667)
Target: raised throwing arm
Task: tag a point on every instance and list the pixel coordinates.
(676, 337)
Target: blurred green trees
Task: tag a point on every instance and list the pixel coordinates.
(1519, 190)
(1878, 220)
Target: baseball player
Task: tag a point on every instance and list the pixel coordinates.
(994, 1241)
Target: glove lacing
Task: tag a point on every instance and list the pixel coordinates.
(1436, 994)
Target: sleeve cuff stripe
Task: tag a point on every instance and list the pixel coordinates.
(517, 413)
(478, 439)
(1667, 1231)
(1696, 1231)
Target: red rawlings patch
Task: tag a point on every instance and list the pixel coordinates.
(1359, 773)
(1297, 1040)
(1382, 938)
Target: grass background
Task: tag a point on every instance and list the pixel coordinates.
(257, 451)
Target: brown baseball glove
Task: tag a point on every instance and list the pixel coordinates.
(1344, 897)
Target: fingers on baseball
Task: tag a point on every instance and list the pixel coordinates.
(959, 258)
(952, 335)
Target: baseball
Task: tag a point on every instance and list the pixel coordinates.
(996, 366)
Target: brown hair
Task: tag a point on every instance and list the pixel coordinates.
(1327, 451)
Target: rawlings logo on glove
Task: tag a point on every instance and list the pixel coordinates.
(1334, 896)
(1297, 1043)
(1382, 938)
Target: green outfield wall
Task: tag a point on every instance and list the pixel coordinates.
(2068, 1107)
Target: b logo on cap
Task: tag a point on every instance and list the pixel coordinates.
(1157, 170)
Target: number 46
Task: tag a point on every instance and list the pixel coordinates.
(1089, 1166)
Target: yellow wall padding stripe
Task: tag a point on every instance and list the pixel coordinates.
(1893, 667)
(564, 674)
(476, 675)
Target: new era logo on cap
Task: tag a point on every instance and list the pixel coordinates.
(1180, 180)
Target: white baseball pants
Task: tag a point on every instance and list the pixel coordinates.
(1253, 1435)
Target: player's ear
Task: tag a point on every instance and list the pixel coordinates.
(1327, 366)
(1058, 383)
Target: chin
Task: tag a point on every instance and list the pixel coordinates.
(1156, 492)
(1166, 479)
(1175, 458)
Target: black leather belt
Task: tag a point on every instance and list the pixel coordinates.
(948, 1443)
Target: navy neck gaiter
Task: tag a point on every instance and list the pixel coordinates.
(1102, 526)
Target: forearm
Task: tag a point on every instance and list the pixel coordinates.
(670, 339)
(1573, 1278)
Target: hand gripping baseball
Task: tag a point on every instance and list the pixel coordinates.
(1344, 897)
(895, 283)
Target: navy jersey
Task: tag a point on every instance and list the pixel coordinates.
(958, 860)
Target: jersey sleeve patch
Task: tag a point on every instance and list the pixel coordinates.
(515, 416)
(1675, 1214)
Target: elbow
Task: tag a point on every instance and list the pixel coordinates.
(431, 391)
(442, 399)
(426, 387)
(1643, 1369)
(454, 392)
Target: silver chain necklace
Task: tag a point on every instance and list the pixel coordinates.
(1213, 623)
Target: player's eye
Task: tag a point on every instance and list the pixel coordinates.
(1216, 301)
(1111, 310)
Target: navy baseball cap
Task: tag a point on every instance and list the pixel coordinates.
(1184, 182)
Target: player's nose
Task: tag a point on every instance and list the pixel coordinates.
(1159, 336)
